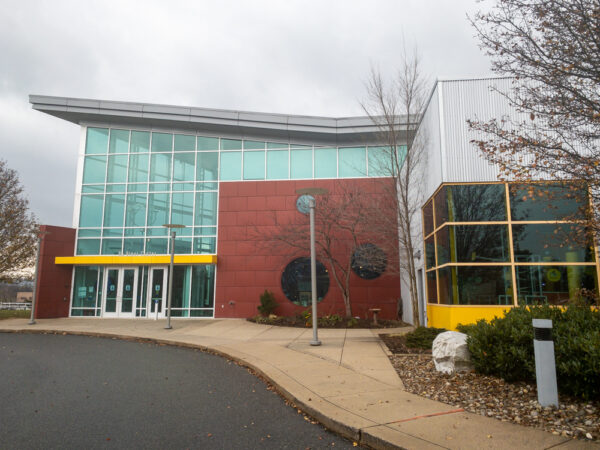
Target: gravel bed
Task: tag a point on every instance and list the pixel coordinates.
(494, 397)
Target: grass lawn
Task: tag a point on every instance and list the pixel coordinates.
(11, 314)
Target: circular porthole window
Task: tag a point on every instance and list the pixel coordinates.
(303, 203)
(368, 261)
(295, 281)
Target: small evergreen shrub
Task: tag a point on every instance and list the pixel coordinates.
(422, 337)
(267, 303)
(504, 347)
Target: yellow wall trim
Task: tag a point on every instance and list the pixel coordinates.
(449, 316)
(118, 260)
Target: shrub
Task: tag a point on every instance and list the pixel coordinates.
(267, 303)
(352, 322)
(504, 347)
(422, 337)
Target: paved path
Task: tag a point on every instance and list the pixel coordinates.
(348, 383)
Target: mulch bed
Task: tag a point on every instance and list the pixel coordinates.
(299, 322)
(491, 396)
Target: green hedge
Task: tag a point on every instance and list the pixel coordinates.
(504, 347)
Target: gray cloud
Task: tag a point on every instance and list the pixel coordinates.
(298, 57)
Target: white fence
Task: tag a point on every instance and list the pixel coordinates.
(16, 306)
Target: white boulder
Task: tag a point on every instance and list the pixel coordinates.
(450, 352)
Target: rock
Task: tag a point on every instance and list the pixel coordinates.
(450, 353)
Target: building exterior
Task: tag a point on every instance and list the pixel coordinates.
(231, 178)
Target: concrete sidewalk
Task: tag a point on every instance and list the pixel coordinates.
(348, 383)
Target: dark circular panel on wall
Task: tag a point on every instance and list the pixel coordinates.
(295, 281)
(369, 261)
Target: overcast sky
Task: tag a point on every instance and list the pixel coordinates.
(296, 57)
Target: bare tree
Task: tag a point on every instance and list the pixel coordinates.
(551, 48)
(396, 107)
(344, 221)
(17, 225)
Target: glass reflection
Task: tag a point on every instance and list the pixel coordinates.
(547, 201)
(470, 203)
(554, 285)
(550, 242)
(473, 243)
(476, 285)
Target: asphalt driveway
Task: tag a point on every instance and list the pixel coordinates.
(60, 391)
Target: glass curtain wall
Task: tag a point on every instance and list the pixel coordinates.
(507, 244)
(135, 181)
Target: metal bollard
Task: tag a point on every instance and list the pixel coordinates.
(545, 367)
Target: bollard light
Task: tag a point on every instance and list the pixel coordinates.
(545, 366)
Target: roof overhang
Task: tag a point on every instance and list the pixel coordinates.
(240, 124)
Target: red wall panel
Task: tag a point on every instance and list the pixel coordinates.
(53, 289)
(248, 211)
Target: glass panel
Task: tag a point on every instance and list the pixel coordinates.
(95, 189)
(135, 216)
(88, 247)
(111, 246)
(231, 144)
(429, 252)
(547, 201)
(158, 209)
(138, 168)
(135, 231)
(112, 277)
(201, 313)
(271, 145)
(181, 287)
(182, 208)
(184, 166)
(157, 290)
(89, 233)
(119, 141)
(379, 161)
(160, 167)
(554, 285)
(85, 287)
(156, 246)
(114, 207)
(205, 231)
(183, 186)
(206, 208)
(301, 164)
(428, 218)
(185, 143)
(159, 187)
(90, 214)
(475, 285)
(277, 165)
(133, 246)
(205, 245)
(325, 163)
(470, 203)
(353, 162)
(295, 281)
(183, 245)
(206, 186)
(158, 231)
(162, 142)
(208, 143)
(472, 243)
(141, 289)
(140, 141)
(203, 283)
(127, 290)
(112, 232)
(115, 188)
(550, 242)
(231, 166)
(96, 141)
(117, 169)
(254, 145)
(207, 166)
(254, 165)
(431, 287)
(301, 146)
(140, 187)
(94, 169)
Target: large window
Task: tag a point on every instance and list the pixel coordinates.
(295, 281)
(476, 253)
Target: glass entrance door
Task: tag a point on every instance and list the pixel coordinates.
(157, 292)
(120, 292)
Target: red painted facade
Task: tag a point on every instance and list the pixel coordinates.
(249, 211)
(53, 290)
